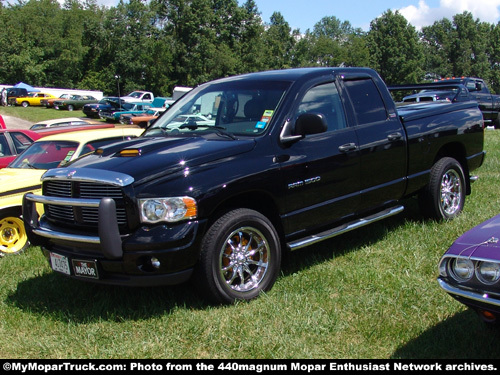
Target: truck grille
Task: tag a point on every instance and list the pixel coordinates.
(88, 216)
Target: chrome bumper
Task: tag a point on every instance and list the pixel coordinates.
(474, 296)
(109, 235)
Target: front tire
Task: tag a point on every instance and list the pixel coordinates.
(240, 257)
(13, 238)
(444, 196)
(70, 107)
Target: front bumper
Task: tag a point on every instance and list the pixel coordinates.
(472, 297)
(150, 256)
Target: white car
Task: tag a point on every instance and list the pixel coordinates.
(139, 96)
(61, 122)
(185, 121)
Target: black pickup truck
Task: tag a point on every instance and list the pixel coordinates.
(243, 168)
(489, 104)
(431, 92)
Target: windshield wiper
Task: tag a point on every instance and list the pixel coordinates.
(219, 129)
(29, 165)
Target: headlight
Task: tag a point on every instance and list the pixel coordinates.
(488, 272)
(462, 269)
(442, 268)
(167, 209)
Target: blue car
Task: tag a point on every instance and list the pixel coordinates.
(126, 109)
(108, 103)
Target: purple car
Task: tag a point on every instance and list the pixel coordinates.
(470, 270)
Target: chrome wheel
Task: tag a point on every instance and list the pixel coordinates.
(240, 257)
(444, 195)
(244, 259)
(451, 192)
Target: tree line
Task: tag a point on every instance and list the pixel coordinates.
(159, 44)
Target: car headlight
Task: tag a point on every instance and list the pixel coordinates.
(488, 272)
(169, 210)
(462, 269)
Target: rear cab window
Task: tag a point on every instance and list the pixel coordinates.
(366, 100)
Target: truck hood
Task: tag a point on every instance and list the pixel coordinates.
(159, 156)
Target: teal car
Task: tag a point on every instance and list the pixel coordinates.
(114, 115)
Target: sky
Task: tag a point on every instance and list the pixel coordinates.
(304, 14)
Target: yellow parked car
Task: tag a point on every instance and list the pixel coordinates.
(33, 98)
(23, 175)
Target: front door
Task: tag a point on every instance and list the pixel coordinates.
(321, 174)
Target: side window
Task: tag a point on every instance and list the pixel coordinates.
(324, 99)
(366, 100)
(4, 147)
(471, 85)
(21, 142)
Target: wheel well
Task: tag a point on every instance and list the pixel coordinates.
(14, 211)
(257, 201)
(456, 151)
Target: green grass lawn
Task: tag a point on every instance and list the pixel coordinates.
(371, 293)
(36, 113)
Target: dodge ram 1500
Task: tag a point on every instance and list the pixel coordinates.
(283, 159)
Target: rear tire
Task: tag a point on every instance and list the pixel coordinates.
(240, 257)
(444, 196)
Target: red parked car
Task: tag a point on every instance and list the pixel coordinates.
(2, 123)
(13, 142)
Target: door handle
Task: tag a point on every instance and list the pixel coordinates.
(394, 136)
(347, 147)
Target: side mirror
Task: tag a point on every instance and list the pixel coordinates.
(306, 124)
(310, 123)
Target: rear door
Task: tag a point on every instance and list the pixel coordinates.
(382, 143)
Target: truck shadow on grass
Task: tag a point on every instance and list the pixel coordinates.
(462, 336)
(64, 299)
(67, 299)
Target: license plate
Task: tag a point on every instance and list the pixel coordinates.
(85, 268)
(59, 263)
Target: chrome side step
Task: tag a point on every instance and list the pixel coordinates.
(303, 242)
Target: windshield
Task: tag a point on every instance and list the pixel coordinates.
(45, 155)
(135, 94)
(236, 108)
(107, 100)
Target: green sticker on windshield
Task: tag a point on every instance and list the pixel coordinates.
(69, 155)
